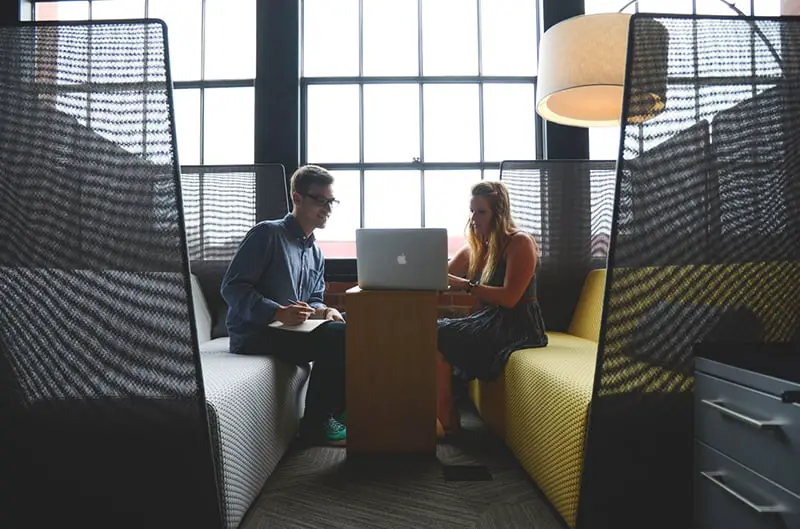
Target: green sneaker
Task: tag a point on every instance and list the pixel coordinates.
(334, 431)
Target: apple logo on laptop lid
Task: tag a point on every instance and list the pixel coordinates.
(401, 259)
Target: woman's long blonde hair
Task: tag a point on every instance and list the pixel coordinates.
(490, 250)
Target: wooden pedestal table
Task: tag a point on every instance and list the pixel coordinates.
(391, 371)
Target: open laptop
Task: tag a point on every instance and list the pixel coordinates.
(401, 259)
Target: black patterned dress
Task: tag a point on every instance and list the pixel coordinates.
(479, 345)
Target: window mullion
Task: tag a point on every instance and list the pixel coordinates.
(420, 85)
(361, 176)
(481, 139)
(421, 159)
(202, 89)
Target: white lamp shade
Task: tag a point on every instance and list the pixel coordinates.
(582, 73)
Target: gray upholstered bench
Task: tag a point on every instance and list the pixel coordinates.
(254, 406)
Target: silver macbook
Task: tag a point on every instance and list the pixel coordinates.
(401, 259)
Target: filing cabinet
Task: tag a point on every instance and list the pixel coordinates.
(746, 448)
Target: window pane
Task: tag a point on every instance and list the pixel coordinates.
(450, 37)
(736, 58)
(73, 104)
(62, 11)
(715, 7)
(766, 63)
(330, 38)
(391, 43)
(767, 8)
(106, 55)
(682, 7)
(603, 143)
(491, 174)
(508, 37)
(228, 126)
(447, 195)
(111, 9)
(230, 39)
(607, 6)
(392, 199)
(104, 111)
(184, 24)
(391, 122)
(452, 126)
(333, 127)
(509, 121)
(187, 125)
(339, 236)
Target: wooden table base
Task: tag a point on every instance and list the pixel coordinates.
(391, 371)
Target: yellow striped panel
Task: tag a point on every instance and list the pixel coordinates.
(766, 288)
(548, 391)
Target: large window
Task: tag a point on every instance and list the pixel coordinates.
(604, 141)
(213, 72)
(213, 68)
(411, 102)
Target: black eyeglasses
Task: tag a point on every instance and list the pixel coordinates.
(322, 201)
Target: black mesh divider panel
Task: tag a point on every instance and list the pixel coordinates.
(705, 251)
(567, 205)
(220, 205)
(102, 411)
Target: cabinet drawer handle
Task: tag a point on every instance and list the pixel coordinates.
(717, 405)
(714, 478)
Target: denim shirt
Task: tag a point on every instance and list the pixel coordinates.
(275, 263)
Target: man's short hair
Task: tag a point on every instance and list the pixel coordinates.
(310, 175)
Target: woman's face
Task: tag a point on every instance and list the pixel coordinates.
(481, 216)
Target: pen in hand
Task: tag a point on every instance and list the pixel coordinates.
(303, 304)
(296, 312)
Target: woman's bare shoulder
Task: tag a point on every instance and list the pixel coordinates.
(459, 262)
(521, 241)
(464, 251)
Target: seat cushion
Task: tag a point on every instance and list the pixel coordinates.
(216, 346)
(548, 391)
(588, 313)
(254, 405)
(210, 274)
(202, 317)
(489, 397)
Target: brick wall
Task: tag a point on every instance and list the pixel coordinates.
(450, 305)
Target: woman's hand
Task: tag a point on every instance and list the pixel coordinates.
(294, 314)
(457, 283)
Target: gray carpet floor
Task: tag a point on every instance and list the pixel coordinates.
(318, 487)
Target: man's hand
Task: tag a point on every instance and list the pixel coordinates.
(294, 314)
(332, 314)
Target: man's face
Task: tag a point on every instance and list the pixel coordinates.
(315, 206)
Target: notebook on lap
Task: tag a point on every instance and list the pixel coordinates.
(401, 259)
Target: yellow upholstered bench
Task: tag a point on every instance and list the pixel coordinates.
(540, 404)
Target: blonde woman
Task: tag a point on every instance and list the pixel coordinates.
(498, 267)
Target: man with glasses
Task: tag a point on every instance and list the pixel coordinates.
(277, 275)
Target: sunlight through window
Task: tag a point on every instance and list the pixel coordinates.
(434, 97)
